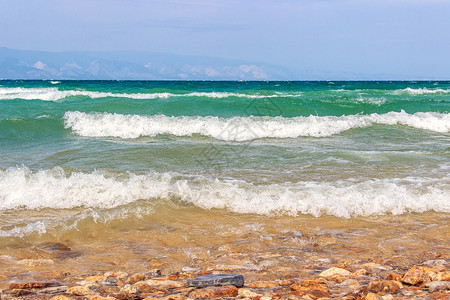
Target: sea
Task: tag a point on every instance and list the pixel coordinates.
(172, 169)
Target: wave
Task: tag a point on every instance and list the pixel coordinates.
(423, 91)
(54, 94)
(21, 188)
(242, 128)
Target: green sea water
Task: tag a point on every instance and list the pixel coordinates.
(343, 149)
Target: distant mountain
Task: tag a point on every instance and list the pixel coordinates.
(131, 65)
(138, 65)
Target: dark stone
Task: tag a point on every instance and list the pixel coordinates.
(110, 281)
(216, 280)
(56, 250)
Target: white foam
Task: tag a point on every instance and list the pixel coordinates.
(424, 91)
(54, 94)
(20, 188)
(242, 128)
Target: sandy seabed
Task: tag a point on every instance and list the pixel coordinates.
(303, 257)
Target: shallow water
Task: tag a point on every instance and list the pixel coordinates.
(136, 175)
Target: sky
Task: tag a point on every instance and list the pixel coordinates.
(405, 37)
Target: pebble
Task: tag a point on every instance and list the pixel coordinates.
(372, 296)
(79, 291)
(236, 280)
(437, 286)
(110, 281)
(135, 278)
(246, 293)
(165, 284)
(215, 292)
(190, 270)
(262, 284)
(295, 281)
(309, 285)
(334, 271)
(443, 276)
(384, 286)
(417, 275)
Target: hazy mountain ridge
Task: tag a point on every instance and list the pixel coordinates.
(139, 65)
(20, 64)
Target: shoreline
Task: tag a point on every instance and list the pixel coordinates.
(339, 279)
(275, 256)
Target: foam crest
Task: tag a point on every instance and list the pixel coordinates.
(424, 91)
(242, 128)
(20, 188)
(343, 199)
(54, 94)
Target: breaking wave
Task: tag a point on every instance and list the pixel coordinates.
(21, 188)
(54, 94)
(243, 128)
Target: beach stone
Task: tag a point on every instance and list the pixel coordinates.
(57, 250)
(384, 287)
(129, 289)
(439, 295)
(95, 278)
(125, 296)
(31, 285)
(107, 290)
(246, 293)
(375, 266)
(435, 263)
(313, 294)
(189, 270)
(119, 275)
(286, 282)
(165, 284)
(372, 296)
(309, 285)
(21, 292)
(173, 297)
(417, 275)
(215, 292)
(443, 276)
(334, 271)
(59, 297)
(394, 276)
(359, 272)
(54, 290)
(143, 287)
(434, 286)
(111, 281)
(96, 297)
(79, 291)
(262, 284)
(173, 277)
(217, 280)
(132, 279)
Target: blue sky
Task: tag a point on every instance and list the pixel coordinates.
(409, 37)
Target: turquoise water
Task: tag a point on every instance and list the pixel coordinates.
(345, 149)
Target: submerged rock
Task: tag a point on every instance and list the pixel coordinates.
(236, 280)
(216, 292)
(334, 271)
(417, 275)
(437, 286)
